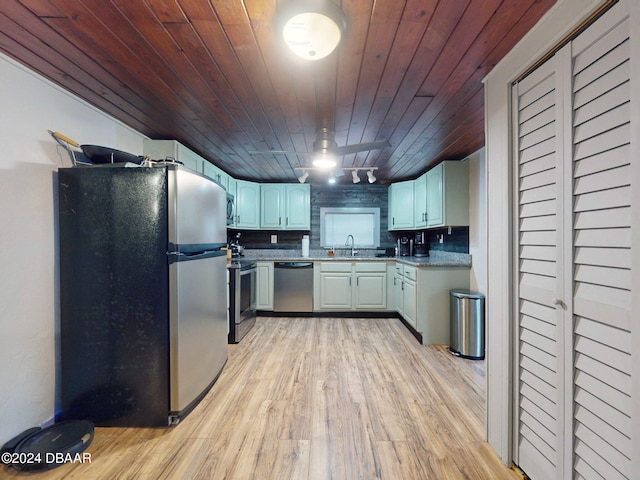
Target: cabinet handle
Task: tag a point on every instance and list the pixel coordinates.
(393, 220)
(279, 221)
(402, 286)
(286, 221)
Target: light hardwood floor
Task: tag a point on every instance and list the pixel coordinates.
(316, 398)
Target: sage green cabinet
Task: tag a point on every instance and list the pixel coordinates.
(216, 174)
(409, 296)
(370, 285)
(448, 194)
(172, 149)
(420, 202)
(285, 206)
(428, 312)
(264, 286)
(401, 206)
(335, 286)
(344, 286)
(247, 202)
(397, 288)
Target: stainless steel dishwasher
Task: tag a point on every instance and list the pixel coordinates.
(293, 287)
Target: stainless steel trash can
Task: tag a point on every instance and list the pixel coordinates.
(467, 324)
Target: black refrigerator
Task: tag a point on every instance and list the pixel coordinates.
(143, 307)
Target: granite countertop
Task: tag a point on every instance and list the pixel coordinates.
(436, 258)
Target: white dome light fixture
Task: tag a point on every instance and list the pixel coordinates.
(354, 176)
(370, 176)
(312, 29)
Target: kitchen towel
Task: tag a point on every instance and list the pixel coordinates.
(305, 246)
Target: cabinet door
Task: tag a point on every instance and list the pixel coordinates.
(434, 196)
(401, 206)
(420, 202)
(298, 207)
(371, 291)
(264, 285)
(397, 285)
(214, 173)
(409, 302)
(272, 208)
(247, 204)
(335, 291)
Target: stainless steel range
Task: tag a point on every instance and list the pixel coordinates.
(242, 298)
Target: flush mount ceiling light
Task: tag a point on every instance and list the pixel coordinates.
(312, 29)
(370, 176)
(354, 176)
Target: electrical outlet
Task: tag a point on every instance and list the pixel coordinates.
(274, 238)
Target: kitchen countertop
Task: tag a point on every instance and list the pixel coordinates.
(436, 258)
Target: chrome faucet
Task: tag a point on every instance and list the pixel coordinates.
(346, 244)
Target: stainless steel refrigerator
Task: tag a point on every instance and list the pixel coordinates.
(143, 309)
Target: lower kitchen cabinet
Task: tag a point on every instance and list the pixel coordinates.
(397, 288)
(423, 294)
(264, 285)
(409, 296)
(341, 286)
(370, 286)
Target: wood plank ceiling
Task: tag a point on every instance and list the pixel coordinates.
(211, 74)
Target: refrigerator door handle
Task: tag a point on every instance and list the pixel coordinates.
(174, 257)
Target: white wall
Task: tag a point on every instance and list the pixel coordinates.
(556, 24)
(478, 222)
(29, 306)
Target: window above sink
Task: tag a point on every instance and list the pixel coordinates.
(337, 223)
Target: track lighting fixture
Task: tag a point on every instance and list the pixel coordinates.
(338, 172)
(303, 177)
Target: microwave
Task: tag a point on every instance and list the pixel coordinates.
(231, 209)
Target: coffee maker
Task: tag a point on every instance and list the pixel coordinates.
(420, 245)
(405, 246)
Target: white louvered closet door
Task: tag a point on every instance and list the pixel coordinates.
(539, 210)
(602, 250)
(574, 213)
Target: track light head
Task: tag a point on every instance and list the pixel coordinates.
(303, 177)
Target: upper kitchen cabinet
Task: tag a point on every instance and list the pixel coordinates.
(401, 206)
(247, 202)
(173, 150)
(448, 194)
(217, 174)
(285, 206)
(420, 202)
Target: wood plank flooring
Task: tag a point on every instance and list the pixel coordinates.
(316, 398)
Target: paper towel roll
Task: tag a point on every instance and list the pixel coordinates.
(305, 246)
